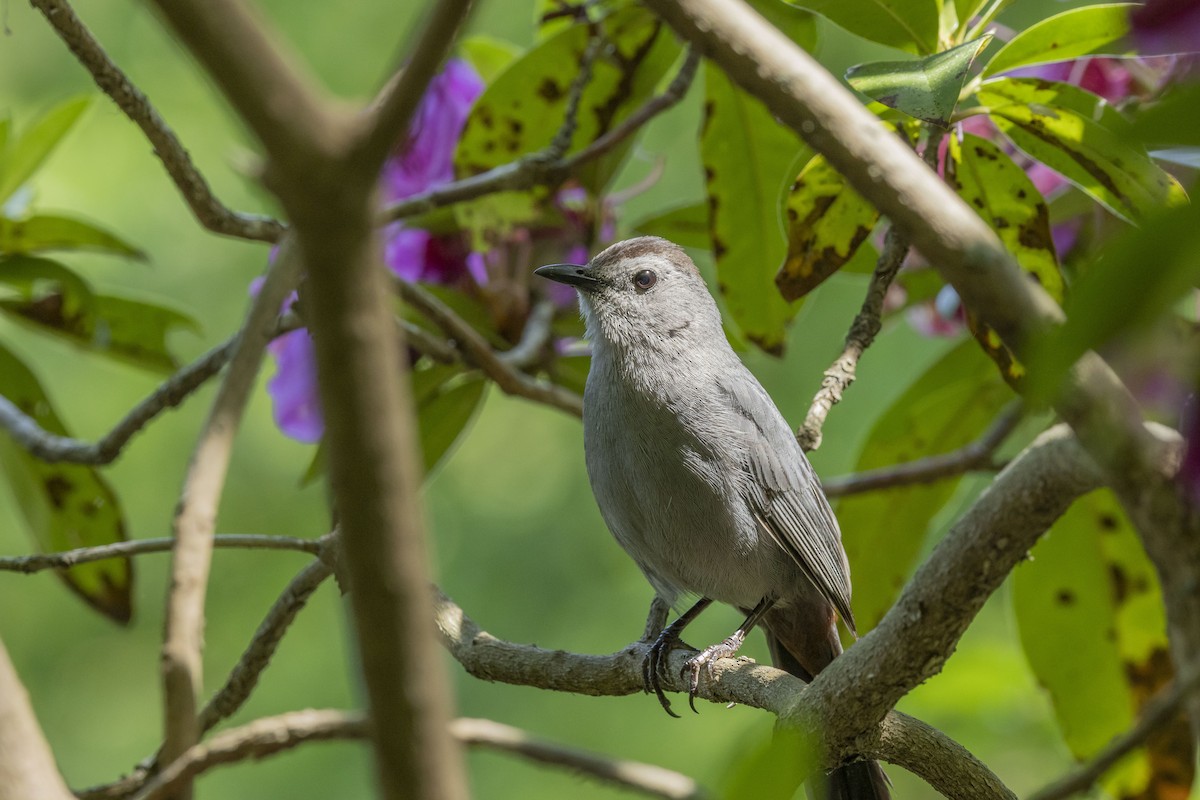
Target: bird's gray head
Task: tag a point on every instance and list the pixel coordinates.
(641, 292)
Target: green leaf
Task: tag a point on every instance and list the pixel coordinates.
(488, 55)
(1172, 121)
(1046, 122)
(883, 531)
(1137, 277)
(797, 24)
(909, 25)
(1064, 36)
(24, 155)
(687, 226)
(926, 89)
(1003, 195)
(1090, 615)
(50, 232)
(53, 299)
(524, 107)
(65, 506)
(826, 221)
(444, 412)
(746, 153)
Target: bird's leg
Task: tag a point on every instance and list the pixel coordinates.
(656, 657)
(726, 649)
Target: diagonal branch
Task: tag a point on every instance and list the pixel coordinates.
(196, 515)
(244, 676)
(979, 454)
(209, 211)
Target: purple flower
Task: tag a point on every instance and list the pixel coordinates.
(1189, 469)
(427, 158)
(424, 161)
(1165, 27)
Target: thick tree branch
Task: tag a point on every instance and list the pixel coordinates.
(136, 547)
(209, 211)
(499, 367)
(197, 511)
(979, 454)
(918, 634)
(959, 244)
(535, 169)
(27, 767)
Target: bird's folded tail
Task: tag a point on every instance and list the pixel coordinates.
(861, 780)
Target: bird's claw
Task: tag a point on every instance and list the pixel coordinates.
(655, 663)
(705, 660)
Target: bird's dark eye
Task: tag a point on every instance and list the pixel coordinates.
(645, 280)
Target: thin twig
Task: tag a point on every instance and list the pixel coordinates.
(244, 676)
(566, 131)
(533, 170)
(1160, 710)
(862, 333)
(52, 447)
(196, 515)
(209, 211)
(976, 455)
(258, 739)
(478, 352)
(645, 778)
(137, 547)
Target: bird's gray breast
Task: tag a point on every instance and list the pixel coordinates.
(667, 466)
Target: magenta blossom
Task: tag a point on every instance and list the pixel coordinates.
(1166, 27)
(425, 161)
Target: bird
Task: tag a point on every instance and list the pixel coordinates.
(699, 477)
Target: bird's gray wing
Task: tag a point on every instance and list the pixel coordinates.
(785, 494)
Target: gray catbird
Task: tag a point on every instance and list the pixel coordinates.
(699, 477)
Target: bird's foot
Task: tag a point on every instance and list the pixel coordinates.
(655, 664)
(705, 660)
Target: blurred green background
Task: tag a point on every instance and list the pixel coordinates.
(517, 537)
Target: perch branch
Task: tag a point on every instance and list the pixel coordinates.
(86, 555)
(979, 454)
(209, 211)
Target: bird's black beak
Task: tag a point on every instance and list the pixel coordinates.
(570, 274)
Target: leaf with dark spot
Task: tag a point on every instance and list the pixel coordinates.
(826, 221)
(1001, 193)
(1083, 138)
(747, 155)
(1102, 655)
(65, 506)
(926, 89)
